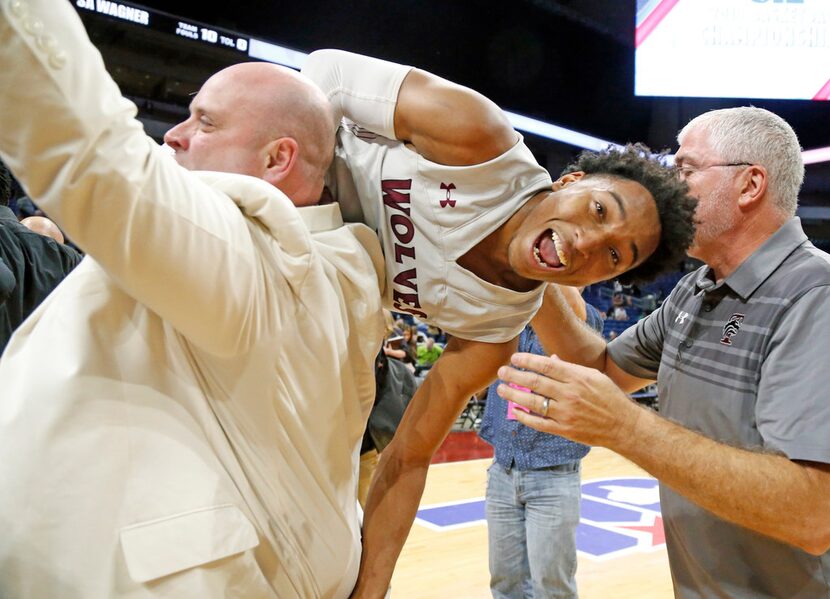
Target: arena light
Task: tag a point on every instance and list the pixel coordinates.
(557, 133)
(276, 54)
(816, 155)
(291, 58)
(202, 34)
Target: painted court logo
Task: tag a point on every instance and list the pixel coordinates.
(731, 328)
(618, 516)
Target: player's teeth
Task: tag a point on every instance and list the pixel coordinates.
(559, 251)
(538, 257)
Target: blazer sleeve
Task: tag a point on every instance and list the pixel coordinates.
(174, 243)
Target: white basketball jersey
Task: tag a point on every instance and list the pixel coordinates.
(427, 216)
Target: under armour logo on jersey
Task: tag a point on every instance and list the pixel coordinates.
(360, 132)
(681, 318)
(447, 201)
(731, 328)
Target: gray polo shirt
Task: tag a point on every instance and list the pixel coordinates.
(745, 362)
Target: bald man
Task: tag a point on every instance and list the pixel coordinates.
(31, 265)
(43, 226)
(177, 418)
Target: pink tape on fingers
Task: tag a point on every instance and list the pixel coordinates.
(512, 405)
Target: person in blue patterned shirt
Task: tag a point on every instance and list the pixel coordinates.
(533, 491)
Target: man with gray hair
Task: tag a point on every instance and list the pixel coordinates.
(739, 352)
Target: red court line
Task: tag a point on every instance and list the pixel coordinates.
(652, 21)
(823, 93)
(461, 446)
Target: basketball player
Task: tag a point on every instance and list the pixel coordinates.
(472, 229)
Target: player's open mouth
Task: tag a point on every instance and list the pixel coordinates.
(548, 250)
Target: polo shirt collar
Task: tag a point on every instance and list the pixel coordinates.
(761, 263)
(6, 213)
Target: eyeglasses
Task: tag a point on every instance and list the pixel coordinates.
(687, 170)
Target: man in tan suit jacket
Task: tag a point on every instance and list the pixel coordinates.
(177, 418)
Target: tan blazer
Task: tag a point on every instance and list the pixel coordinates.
(182, 417)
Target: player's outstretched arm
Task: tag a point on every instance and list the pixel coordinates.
(445, 122)
(464, 368)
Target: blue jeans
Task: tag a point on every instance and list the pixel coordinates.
(532, 517)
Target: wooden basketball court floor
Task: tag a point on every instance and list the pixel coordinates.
(621, 552)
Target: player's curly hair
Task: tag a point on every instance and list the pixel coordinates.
(675, 206)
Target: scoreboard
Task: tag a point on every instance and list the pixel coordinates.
(192, 31)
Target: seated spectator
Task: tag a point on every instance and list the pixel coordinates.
(34, 265)
(428, 353)
(410, 346)
(392, 346)
(649, 303)
(616, 310)
(394, 388)
(618, 313)
(43, 226)
(400, 325)
(401, 346)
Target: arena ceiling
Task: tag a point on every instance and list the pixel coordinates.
(568, 62)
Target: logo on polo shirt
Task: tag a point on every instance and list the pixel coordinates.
(681, 318)
(731, 328)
